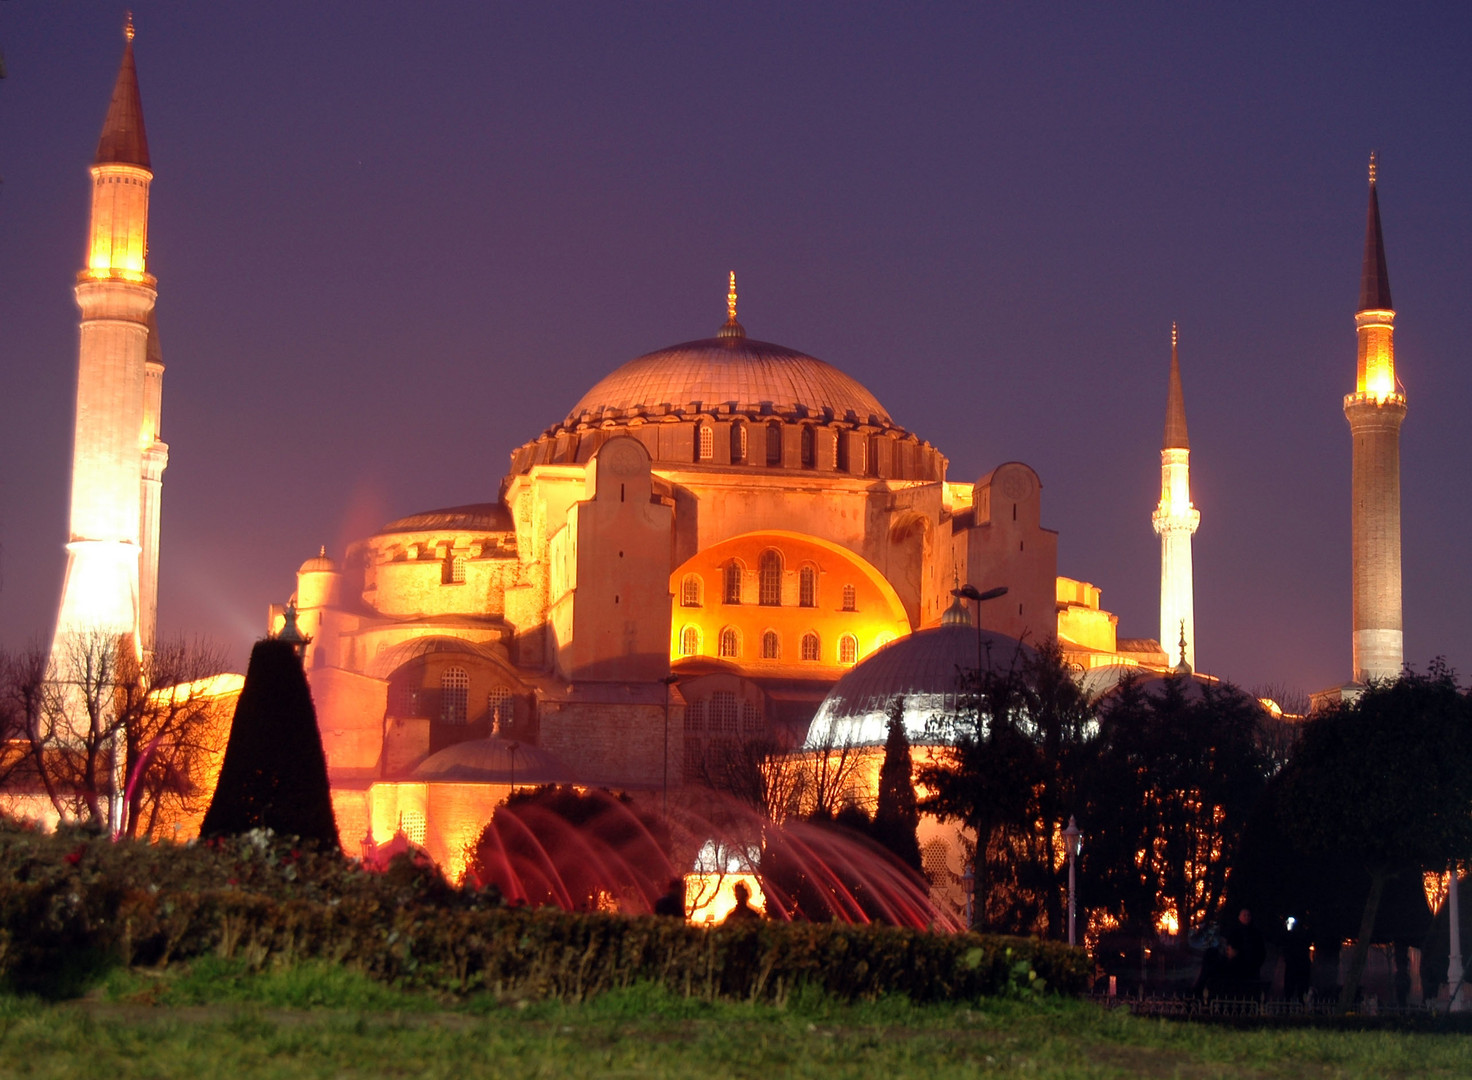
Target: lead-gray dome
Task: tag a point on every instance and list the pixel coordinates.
(732, 373)
(924, 668)
(493, 761)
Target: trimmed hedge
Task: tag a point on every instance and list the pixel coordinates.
(71, 906)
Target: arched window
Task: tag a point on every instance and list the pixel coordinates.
(840, 452)
(848, 650)
(738, 443)
(733, 582)
(498, 708)
(690, 641)
(771, 646)
(850, 598)
(454, 570)
(730, 643)
(807, 587)
(774, 444)
(707, 442)
(454, 695)
(770, 569)
(811, 649)
(809, 447)
(690, 591)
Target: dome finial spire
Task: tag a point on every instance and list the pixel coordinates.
(732, 329)
(1373, 167)
(128, 30)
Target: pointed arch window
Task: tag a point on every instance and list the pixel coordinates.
(690, 641)
(730, 643)
(454, 695)
(771, 646)
(811, 647)
(732, 591)
(807, 587)
(690, 590)
(848, 650)
(707, 442)
(770, 571)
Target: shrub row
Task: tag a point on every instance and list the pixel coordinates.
(67, 909)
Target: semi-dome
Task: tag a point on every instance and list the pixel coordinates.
(924, 668)
(733, 374)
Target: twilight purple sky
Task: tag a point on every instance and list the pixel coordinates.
(394, 241)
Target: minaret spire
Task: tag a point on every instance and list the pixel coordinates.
(1176, 519)
(123, 139)
(1375, 412)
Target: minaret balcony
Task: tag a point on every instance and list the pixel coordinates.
(1372, 397)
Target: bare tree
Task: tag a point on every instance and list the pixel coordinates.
(112, 739)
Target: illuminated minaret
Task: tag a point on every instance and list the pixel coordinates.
(1176, 520)
(117, 458)
(1375, 411)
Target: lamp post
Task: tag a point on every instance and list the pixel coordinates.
(669, 681)
(1455, 974)
(970, 592)
(1074, 840)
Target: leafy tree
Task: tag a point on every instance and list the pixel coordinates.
(274, 775)
(1010, 773)
(1176, 772)
(1387, 779)
(897, 814)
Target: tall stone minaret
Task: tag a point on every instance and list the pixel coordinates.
(117, 458)
(1176, 520)
(1375, 411)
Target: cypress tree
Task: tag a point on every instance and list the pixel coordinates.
(274, 775)
(897, 815)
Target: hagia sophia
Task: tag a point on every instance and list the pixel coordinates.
(723, 540)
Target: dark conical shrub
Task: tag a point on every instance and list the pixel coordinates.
(274, 775)
(897, 815)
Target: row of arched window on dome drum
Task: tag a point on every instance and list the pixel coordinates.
(705, 445)
(728, 645)
(769, 582)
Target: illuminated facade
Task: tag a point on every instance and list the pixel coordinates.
(692, 557)
(1375, 411)
(117, 459)
(1176, 520)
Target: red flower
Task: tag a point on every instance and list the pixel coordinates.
(76, 856)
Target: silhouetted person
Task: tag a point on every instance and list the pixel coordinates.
(1245, 951)
(672, 903)
(1297, 962)
(743, 909)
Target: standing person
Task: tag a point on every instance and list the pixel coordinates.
(743, 910)
(672, 903)
(1246, 951)
(1297, 961)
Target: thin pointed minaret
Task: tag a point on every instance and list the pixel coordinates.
(117, 458)
(1375, 411)
(1176, 520)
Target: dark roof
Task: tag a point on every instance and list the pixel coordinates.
(477, 517)
(493, 761)
(1374, 277)
(123, 138)
(1175, 403)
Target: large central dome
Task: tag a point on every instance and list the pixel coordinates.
(729, 373)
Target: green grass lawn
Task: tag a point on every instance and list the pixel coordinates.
(319, 1021)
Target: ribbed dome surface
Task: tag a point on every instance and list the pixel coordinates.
(924, 668)
(733, 372)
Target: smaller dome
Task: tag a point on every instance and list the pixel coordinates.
(924, 668)
(318, 564)
(493, 761)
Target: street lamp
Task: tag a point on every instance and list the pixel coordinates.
(970, 592)
(669, 681)
(1074, 841)
(1455, 973)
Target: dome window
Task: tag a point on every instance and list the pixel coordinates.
(730, 643)
(848, 650)
(690, 591)
(809, 447)
(738, 443)
(770, 570)
(774, 444)
(454, 570)
(811, 647)
(690, 641)
(771, 646)
(733, 582)
(850, 598)
(454, 695)
(807, 587)
(707, 442)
